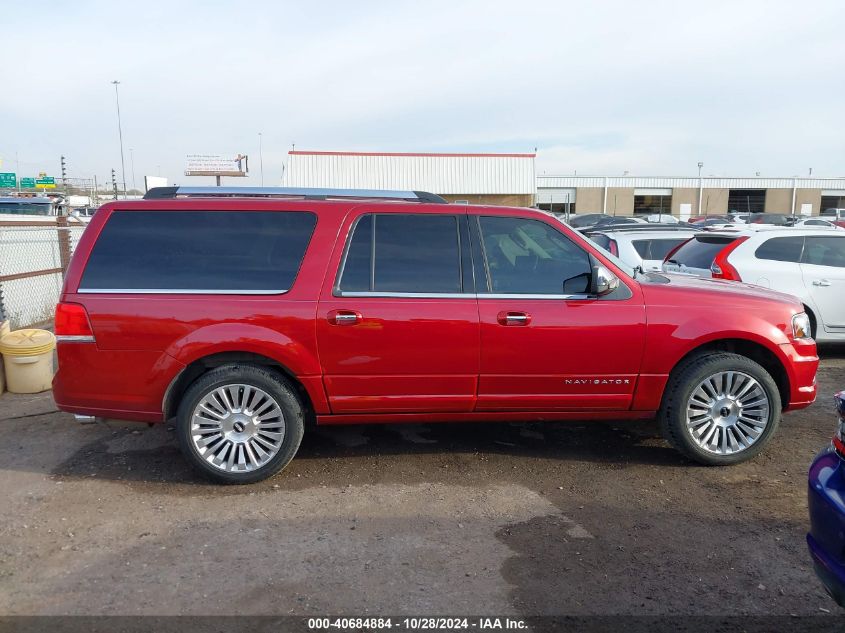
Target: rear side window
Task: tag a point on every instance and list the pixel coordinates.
(781, 249)
(657, 248)
(700, 251)
(199, 251)
(825, 251)
(601, 240)
(399, 252)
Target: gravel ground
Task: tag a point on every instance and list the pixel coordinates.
(519, 519)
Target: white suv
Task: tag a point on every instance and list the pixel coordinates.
(806, 263)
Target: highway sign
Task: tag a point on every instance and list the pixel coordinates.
(46, 182)
(8, 180)
(27, 183)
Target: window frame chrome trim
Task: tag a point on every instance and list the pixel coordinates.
(178, 291)
(462, 295)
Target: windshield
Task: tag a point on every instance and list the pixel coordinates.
(26, 208)
(628, 270)
(657, 248)
(700, 251)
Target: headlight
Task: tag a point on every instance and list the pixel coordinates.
(801, 326)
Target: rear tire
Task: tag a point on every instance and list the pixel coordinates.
(720, 409)
(238, 424)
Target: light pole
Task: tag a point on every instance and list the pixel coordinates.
(132, 166)
(120, 135)
(700, 186)
(261, 158)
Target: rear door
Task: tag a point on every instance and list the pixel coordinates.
(547, 345)
(823, 269)
(397, 325)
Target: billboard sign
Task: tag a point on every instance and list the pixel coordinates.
(217, 165)
(8, 180)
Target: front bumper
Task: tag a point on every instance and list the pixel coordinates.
(801, 367)
(826, 540)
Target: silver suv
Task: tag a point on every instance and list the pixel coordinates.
(642, 246)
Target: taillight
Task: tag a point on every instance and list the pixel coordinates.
(72, 323)
(839, 437)
(613, 247)
(720, 267)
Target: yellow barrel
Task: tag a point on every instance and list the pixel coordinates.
(28, 360)
(4, 329)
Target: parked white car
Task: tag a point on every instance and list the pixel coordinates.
(807, 263)
(816, 223)
(641, 246)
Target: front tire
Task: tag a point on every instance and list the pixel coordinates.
(720, 409)
(238, 424)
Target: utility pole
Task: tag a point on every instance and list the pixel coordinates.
(700, 186)
(120, 135)
(64, 174)
(114, 185)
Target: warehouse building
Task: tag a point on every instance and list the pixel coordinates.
(630, 195)
(501, 179)
(510, 179)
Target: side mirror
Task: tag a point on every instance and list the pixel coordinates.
(603, 281)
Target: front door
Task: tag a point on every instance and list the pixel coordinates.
(546, 344)
(397, 329)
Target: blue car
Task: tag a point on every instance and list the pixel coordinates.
(826, 497)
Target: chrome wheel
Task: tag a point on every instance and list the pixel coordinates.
(727, 412)
(237, 428)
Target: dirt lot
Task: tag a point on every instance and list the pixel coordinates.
(522, 519)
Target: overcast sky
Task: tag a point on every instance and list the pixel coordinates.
(598, 87)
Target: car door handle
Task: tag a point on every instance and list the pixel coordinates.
(344, 317)
(513, 318)
(821, 282)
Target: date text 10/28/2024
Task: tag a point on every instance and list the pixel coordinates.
(417, 624)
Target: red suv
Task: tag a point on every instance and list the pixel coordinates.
(248, 314)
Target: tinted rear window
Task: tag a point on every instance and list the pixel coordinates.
(781, 249)
(657, 248)
(700, 251)
(398, 252)
(213, 251)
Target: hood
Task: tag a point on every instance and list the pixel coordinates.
(685, 290)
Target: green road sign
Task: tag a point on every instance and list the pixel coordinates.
(28, 183)
(8, 180)
(47, 182)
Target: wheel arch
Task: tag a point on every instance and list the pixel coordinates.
(192, 371)
(757, 352)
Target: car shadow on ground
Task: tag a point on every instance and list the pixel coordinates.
(127, 452)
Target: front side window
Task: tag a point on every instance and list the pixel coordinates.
(825, 251)
(198, 251)
(530, 257)
(406, 253)
(781, 249)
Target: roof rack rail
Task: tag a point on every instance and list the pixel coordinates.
(166, 193)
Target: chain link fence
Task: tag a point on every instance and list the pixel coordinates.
(34, 256)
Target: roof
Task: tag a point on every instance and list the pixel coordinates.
(418, 154)
(451, 174)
